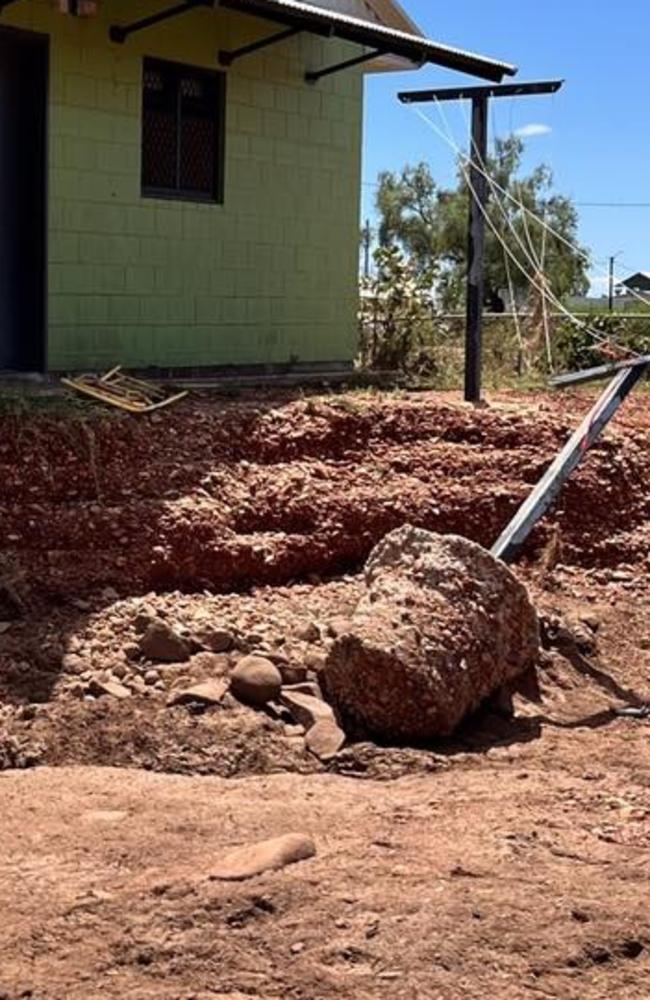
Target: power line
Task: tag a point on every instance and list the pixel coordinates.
(612, 204)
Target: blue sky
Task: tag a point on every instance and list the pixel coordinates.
(599, 140)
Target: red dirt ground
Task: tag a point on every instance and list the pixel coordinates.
(510, 861)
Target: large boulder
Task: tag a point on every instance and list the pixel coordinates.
(441, 627)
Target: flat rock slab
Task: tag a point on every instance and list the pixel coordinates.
(111, 688)
(208, 693)
(305, 709)
(267, 855)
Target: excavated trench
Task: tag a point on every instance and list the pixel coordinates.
(224, 497)
(257, 515)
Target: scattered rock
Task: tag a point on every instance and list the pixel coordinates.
(268, 855)
(208, 693)
(209, 665)
(98, 688)
(308, 633)
(292, 673)
(325, 739)
(294, 732)
(215, 640)
(151, 677)
(256, 681)
(443, 624)
(160, 643)
(339, 626)
(71, 663)
(315, 662)
(306, 709)
(143, 620)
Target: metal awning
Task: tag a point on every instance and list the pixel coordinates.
(297, 16)
(388, 41)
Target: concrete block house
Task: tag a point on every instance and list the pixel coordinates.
(179, 181)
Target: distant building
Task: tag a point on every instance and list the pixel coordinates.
(639, 282)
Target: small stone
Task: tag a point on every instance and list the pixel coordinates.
(209, 665)
(4, 627)
(131, 651)
(256, 681)
(142, 621)
(294, 732)
(308, 633)
(215, 640)
(269, 855)
(161, 643)
(297, 947)
(114, 689)
(292, 673)
(325, 739)
(339, 626)
(208, 693)
(137, 684)
(306, 709)
(73, 664)
(109, 594)
(315, 662)
(151, 677)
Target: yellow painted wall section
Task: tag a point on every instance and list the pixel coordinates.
(270, 276)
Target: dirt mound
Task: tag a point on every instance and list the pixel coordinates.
(226, 496)
(442, 625)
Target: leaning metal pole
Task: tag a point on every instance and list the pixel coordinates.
(508, 546)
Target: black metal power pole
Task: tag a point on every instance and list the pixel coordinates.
(480, 98)
(476, 250)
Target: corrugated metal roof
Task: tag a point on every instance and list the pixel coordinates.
(298, 14)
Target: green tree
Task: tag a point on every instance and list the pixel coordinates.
(429, 224)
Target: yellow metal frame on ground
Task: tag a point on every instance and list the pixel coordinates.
(124, 391)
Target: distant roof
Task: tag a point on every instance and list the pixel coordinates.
(388, 41)
(644, 275)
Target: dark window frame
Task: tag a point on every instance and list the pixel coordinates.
(173, 73)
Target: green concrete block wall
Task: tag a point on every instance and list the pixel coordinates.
(267, 277)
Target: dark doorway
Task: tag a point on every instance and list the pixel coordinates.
(23, 154)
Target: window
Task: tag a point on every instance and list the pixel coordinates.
(182, 131)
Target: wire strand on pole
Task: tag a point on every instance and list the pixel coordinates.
(559, 305)
(558, 235)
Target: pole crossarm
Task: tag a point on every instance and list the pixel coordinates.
(469, 93)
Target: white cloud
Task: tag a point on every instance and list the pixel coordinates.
(528, 131)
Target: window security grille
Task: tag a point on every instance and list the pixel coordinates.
(182, 131)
